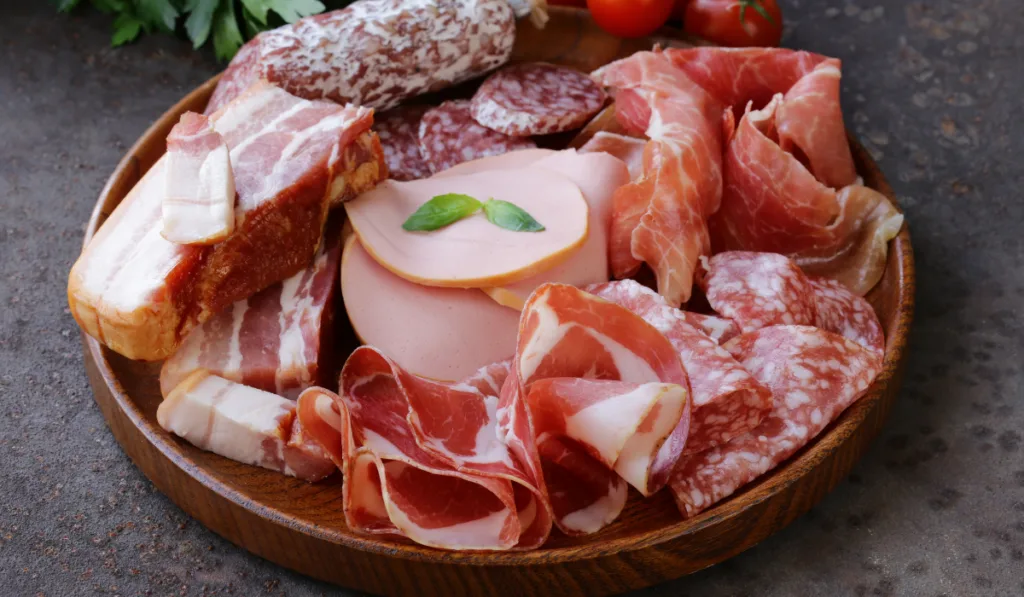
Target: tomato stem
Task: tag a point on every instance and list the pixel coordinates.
(756, 5)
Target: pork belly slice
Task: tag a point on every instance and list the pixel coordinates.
(199, 188)
(244, 424)
(276, 339)
(141, 294)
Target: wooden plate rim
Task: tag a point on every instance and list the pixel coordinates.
(779, 480)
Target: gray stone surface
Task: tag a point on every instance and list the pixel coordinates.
(936, 507)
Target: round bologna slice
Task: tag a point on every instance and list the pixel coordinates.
(537, 99)
(449, 136)
(441, 333)
(399, 132)
(472, 252)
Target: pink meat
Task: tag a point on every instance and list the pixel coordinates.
(628, 149)
(840, 311)
(813, 375)
(399, 132)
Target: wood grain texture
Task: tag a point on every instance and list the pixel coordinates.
(302, 526)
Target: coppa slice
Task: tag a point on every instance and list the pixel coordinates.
(141, 295)
(441, 333)
(276, 339)
(472, 252)
(199, 188)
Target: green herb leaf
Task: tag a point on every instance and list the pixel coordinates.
(756, 5)
(226, 36)
(200, 20)
(157, 13)
(126, 29)
(510, 216)
(66, 5)
(441, 211)
(290, 10)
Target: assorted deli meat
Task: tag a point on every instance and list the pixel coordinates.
(517, 377)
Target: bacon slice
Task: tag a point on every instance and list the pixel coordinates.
(813, 375)
(243, 424)
(199, 188)
(727, 401)
(586, 438)
(276, 340)
(140, 294)
(661, 217)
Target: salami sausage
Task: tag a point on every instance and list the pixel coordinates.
(536, 99)
(376, 52)
(449, 136)
(757, 290)
(842, 312)
(399, 132)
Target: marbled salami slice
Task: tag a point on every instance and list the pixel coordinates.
(449, 136)
(842, 312)
(536, 99)
(727, 401)
(758, 290)
(399, 132)
(813, 375)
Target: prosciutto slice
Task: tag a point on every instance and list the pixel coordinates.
(628, 149)
(813, 375)
(596, 399)
(727, 401)
(660, 218)
(141, 294)
(277, 340)
(423, 459)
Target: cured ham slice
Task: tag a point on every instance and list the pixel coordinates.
(758, 290)
(277, 340)
(243, 424)
(199, 188)
(628, 149)
(597, 398)
(441, 333)
(727, 401)
(813, 375)
(141, 295)
(661, 218)
(422, 459)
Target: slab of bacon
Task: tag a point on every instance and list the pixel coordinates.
(278, 340)
(243, 424)
(140, 294)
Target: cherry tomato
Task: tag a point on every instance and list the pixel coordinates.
(735, 23)
(630, 18)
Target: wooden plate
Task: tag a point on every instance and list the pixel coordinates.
(302, 526)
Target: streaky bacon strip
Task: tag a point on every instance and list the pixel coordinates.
(422, 458)
(727, 401)
(813, 375)
(660, 218)
(570, 345)
(277, 340)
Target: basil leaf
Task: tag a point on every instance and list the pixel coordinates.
(510, 216)
(126, 29)
(226, 36)
(441, 211)
(200, 21)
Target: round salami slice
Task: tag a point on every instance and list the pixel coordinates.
(843, 312)
(449, 136)
(537, 99)
(399, 132)
(758, 290)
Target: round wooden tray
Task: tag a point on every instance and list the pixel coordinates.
(301, 526)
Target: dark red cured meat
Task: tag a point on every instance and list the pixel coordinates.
(399, 132)
(840, 311)
(536, 99)
(567, 334)
(375, 53)
(758, 290)
(449, 136)
(813, 375)
(727, 401)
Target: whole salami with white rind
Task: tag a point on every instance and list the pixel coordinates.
(537, 99)
(399, 132)
(450, 136)
(376, 53)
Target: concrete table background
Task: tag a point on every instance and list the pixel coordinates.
(936, 507)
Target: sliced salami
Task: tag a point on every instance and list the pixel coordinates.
(842, 312)
(758, 290)
(399, 132)
(813, 375)
(727, 401)
(448, 136)
(536, 99)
